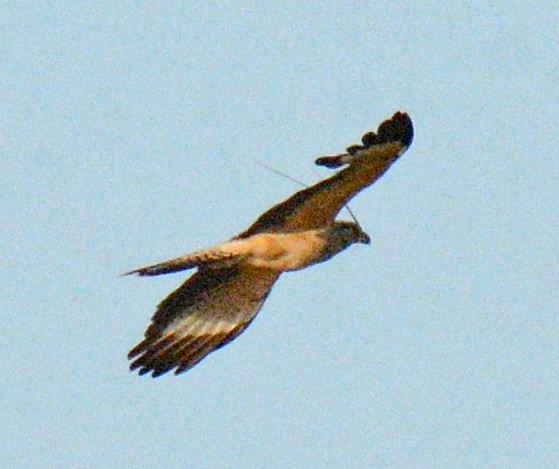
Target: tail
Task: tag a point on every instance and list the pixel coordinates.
(189, 261)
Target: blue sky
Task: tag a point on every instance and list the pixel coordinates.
(129, 134)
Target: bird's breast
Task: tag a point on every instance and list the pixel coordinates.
(286, 251)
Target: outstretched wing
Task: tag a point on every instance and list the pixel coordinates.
(318, 205)
(206, 312)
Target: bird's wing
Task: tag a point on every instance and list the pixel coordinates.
(206, 312)
(318, 205)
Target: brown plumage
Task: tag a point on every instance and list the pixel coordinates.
(234, 278)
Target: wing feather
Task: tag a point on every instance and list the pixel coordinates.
(209, 310)
(317, 206)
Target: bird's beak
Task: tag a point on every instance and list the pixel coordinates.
(364, 238)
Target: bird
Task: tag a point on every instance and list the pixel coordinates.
(233, 279)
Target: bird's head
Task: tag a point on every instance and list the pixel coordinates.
(349, 233)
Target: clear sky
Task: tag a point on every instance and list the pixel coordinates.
(129, 134)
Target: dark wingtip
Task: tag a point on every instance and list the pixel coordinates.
(137, 349)
(329, 162)
(399, 128)
(158, 373)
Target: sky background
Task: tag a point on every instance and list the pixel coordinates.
(129, 133)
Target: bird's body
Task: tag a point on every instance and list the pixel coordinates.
(234, 278)
(281, 252)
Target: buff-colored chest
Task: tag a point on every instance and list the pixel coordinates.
(282, 252)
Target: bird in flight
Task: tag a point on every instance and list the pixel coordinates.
(233, 279)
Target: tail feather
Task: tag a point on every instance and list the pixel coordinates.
(189, 261)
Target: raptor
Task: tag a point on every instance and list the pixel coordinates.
(233, 279)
